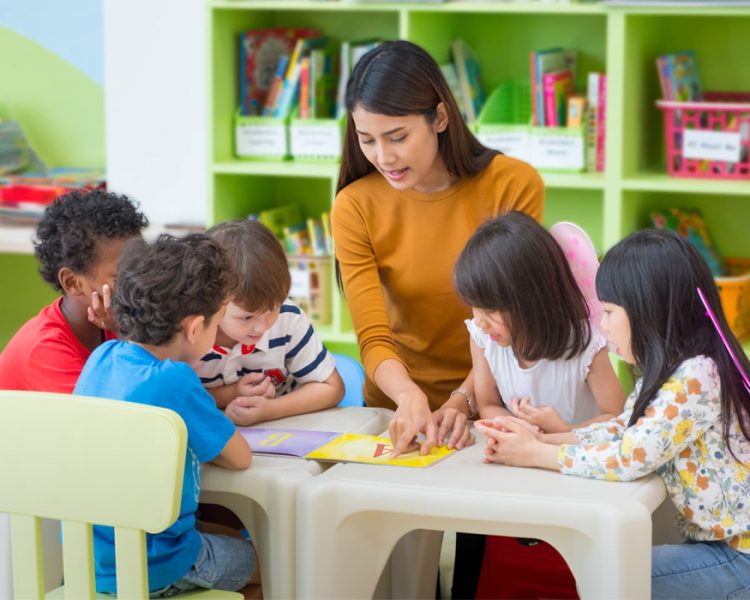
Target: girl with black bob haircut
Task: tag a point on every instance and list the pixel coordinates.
(534, 352)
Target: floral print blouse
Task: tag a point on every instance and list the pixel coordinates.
(679, 437)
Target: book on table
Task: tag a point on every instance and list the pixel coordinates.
(328, 446)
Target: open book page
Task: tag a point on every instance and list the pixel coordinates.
(372, 449)
(285, 442)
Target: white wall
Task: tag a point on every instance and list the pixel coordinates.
(155, 105)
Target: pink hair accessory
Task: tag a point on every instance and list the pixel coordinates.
(584, 263)
(710, 314)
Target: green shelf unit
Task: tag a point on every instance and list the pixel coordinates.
(719, 39)
(719, 212)
(623, 41)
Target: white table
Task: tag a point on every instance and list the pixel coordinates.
(264, 497)
(350, 517)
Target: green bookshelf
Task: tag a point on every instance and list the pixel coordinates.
(623, 41)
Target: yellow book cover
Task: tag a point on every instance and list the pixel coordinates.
(374, 450)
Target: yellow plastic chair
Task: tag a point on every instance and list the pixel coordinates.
(85, 461)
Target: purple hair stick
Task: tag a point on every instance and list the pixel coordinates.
(710, 314)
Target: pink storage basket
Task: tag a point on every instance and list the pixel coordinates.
(725, 112)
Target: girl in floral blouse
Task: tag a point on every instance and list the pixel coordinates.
(687, 418)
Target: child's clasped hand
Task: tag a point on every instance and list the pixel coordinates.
(544, 417)
(508, 440)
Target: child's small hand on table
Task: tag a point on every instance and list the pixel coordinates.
(544, 417)
(248, 410)
(509, 440)
(256, 384)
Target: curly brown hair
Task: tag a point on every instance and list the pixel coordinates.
(161, 283)
(75, 224)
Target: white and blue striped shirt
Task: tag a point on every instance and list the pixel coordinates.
(290, 353)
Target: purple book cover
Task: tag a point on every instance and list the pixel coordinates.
(286, 442)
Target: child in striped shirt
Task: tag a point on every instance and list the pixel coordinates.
(267, 362)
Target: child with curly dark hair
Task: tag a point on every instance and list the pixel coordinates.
(170, 297)
(77, 244)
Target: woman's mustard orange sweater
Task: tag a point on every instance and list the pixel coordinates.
(397, 249)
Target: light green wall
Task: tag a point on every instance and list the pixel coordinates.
(62, 112)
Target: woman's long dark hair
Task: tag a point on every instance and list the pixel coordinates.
(398, 79)
(653, 275)
(512, 265)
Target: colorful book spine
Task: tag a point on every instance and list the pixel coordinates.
(317, 237)
(344, 72)
(665, 77)
(592, 115)
(576, 112)
(276, 86)
(551, 59)
(318, 69)
(304, 89)
(550, 100)
(288, 93)
(325, 219)
(243, 79)
(558, 85)
(534, 100)
(601, 124)
(297, 240)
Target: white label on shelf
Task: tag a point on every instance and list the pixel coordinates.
(316, 140)
(261, 140)
(711, 145)
(512, 143)
(557, 151)
(300, 283)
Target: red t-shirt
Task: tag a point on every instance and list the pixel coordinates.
(44, 355)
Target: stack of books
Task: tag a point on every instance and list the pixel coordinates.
(24, 197)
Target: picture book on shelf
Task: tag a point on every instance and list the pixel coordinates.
(260, 50)
(689, 224)
(469, 79)
(451, 78)
(543, 62)
(289, 94)
(328, 446)
(678, 76)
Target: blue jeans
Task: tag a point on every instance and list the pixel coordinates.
(223, 563)
(699, 570)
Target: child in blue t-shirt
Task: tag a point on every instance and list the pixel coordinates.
(169, 300)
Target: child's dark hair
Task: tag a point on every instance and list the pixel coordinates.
(512, 265)
(258, 261)
(73, 225)
(161, 283)
(653, 275)
(399, 78)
